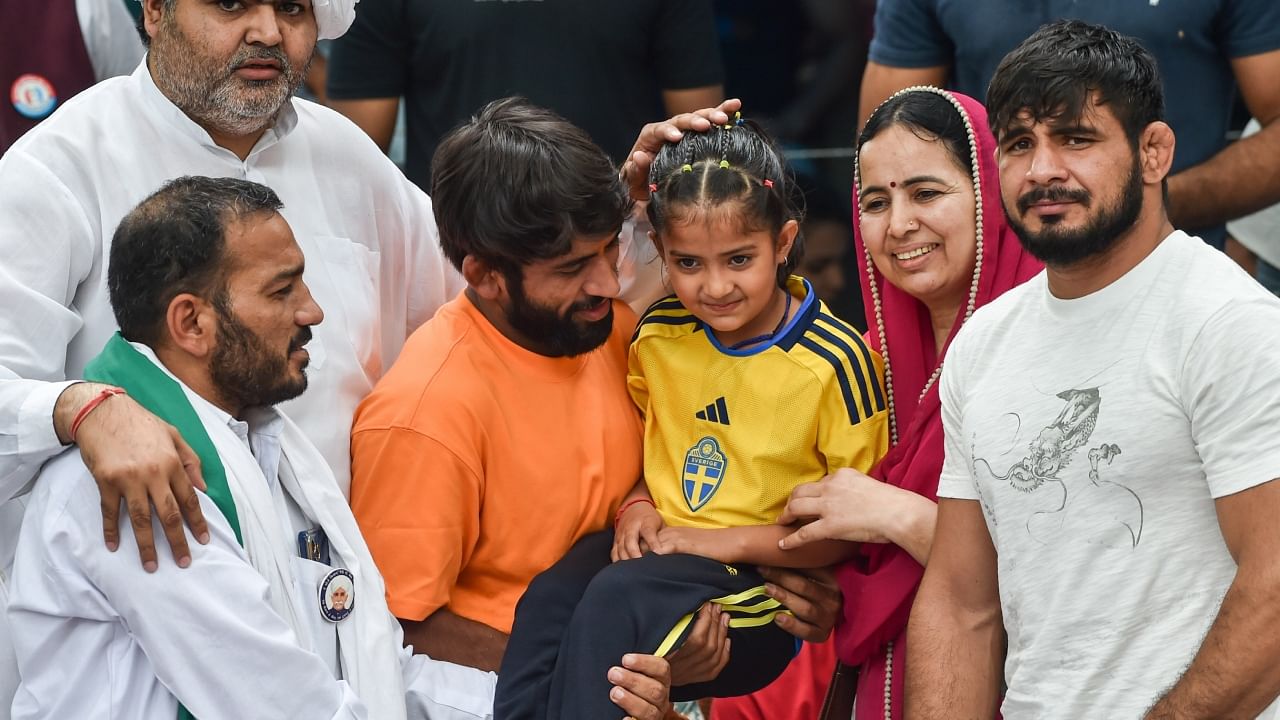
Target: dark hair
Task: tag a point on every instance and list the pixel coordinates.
(927, 114)
(735, 163)
(173, 243)
(1053, 72)
(517, 183)
(167, 5)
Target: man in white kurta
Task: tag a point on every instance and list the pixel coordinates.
(248, 630)
(368, 233)
(99, 637)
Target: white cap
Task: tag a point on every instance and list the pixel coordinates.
(333, 17)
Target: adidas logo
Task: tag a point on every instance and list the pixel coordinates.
(716, 412)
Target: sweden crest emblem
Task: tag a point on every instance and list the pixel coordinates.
(704, 467)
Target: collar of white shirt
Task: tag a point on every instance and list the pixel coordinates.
(157, 102)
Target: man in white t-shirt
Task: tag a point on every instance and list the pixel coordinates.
(1112, 430)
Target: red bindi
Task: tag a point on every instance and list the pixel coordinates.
(893, 184)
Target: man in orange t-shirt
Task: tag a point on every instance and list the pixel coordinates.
(504, 432)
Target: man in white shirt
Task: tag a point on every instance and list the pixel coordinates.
(215, 328)
(212, 98)
(1109, 495)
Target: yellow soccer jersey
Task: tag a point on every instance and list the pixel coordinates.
(728, 434)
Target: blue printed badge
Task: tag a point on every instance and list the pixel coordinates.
(704, 467)
(33, 96)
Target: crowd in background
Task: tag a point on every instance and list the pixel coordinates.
(811, 73)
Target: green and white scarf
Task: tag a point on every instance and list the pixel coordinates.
(369, 640)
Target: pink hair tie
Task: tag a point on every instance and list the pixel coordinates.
(653, 187)
(767, 182)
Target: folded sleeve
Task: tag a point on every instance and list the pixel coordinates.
(908, 35)
(1229, 390)
(48, 247)
(957, 479)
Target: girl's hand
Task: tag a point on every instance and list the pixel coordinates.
(846, 505)
(637, 532)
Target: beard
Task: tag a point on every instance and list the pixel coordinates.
(558, 335)
(1059, 246)
(210, 92)
(246, 371)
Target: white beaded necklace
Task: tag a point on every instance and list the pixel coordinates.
(875, 298)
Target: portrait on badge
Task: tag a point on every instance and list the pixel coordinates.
(337, 595)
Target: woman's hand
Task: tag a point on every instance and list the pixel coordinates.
(848, 505)
(637, 532)
(845, 505)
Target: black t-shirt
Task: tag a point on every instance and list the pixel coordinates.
(600, 63)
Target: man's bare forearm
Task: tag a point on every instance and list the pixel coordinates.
(955, 659)
(1239, 180)
(446, 636)
(1236, 672)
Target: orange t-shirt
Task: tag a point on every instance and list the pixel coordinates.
(476, 464)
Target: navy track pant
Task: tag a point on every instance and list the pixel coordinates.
(582, 615)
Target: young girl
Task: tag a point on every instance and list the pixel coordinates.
(748, 386)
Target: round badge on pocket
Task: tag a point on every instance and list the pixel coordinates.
(337, 595)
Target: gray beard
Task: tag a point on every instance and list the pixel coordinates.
(215, 97)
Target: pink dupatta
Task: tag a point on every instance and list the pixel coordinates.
(879, 584)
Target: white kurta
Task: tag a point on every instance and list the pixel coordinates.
(373, 257)
(97, 637)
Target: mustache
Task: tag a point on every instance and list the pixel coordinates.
(248, 54)
(588, 304)
(302, 338)
(1053, 194)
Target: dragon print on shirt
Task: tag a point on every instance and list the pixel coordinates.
(1097, 510)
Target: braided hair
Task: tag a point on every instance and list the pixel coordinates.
(733, 163)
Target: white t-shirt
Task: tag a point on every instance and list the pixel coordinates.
(1096, 434)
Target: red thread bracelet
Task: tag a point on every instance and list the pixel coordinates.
(628, 504)
(90, 406)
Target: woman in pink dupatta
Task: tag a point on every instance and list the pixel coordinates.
(929, 187)
(907, 328)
